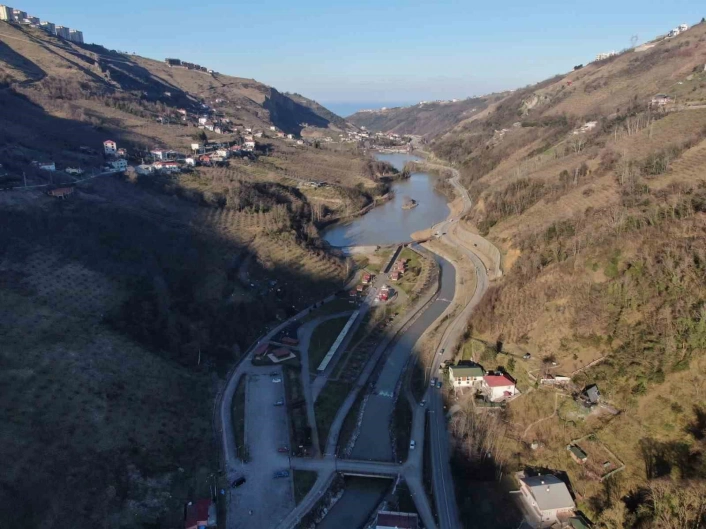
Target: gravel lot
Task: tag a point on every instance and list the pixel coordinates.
(265, 431)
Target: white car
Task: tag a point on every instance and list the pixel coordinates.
(277, 380)
(412, 444)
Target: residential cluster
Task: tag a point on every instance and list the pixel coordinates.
(178, 63)
(681, 28)
(492, 386)
(8, 14)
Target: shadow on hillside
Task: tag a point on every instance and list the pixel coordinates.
(19, 62)
(289, 116)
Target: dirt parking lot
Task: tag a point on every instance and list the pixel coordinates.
(265, 431)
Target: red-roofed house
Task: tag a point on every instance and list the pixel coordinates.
(199, 514)
(396, 520)
(499, 387)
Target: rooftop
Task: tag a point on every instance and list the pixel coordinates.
(549, 492)
(467, 371)
(496, 381)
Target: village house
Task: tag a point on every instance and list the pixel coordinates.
(367, 278)
(499, 387)
(660, 100)
(590, 396)
(395, 276)
(118, 165)
(167, 167)
(396, 520)
(258, 134)
(577, 454)
(109, 147)
(463, 376)
(60, 192)
(74, 171)
(203, 120)
(144, 170)
(290, 136)
(546, 499)
(45, 166)
(272, 127)
(280, 134)
(190, 162)
(224, 153)
(200, 514)
(122, 153)
(249, 145)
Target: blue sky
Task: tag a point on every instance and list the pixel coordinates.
(372, 53)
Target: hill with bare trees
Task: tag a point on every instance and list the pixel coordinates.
(592, 183)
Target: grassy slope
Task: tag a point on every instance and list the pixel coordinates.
(602, 236)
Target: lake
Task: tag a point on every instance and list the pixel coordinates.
(389, 223)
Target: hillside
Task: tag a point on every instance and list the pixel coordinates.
(594, 190)
(424, 119)
(124, 304)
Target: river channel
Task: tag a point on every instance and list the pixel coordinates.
(386, 225)
(389, 223)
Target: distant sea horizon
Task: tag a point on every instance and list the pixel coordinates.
(346, 108)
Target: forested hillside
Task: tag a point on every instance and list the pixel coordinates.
(595, 190)
(123, 305)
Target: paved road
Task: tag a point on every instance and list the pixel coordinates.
(304, 334)
(373, 443)
(442, 480)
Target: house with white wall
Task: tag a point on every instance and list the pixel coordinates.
(470, 376)
(499, 387)
(545, 499)
(110, 147)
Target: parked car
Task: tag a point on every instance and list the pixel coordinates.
(282, 474)
(276, 380)
(279, 403)
(423, 403)
(438, 384)
(274, 374)
(442, 351)
(412, 444)
(433, 382)
(237, 483)
(283, 449)
(526, 356)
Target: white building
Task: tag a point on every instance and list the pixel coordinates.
(45, 166)
(48, 27)
(144, 169)
(7, 13)
(63, 32)
(19, 16)
(225, 153)
(682, 27)
(109, 147)
(603, 56)
(76, 36)
(190, 162)
(159, 155)
(546, 498)
(203, 120)
(466, 376)
(33, 20)
(249, 145)
(499, 387)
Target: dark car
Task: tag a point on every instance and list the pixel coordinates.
(282, 474)
(279, 403)
(283, 449)
(237, 483)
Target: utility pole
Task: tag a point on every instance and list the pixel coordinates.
(24, 176)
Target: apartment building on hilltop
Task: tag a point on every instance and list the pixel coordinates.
(7, 13)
